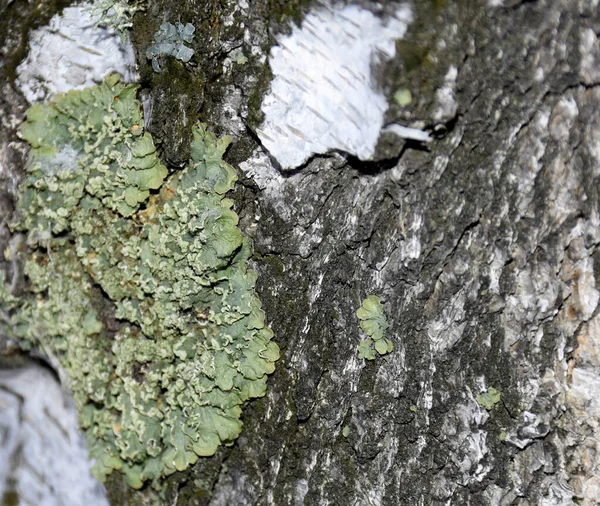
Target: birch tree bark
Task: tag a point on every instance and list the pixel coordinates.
(482, 245)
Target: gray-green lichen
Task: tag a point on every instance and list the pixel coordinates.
(118, 14)
(374, 324)
(169, 41)
(159, 372)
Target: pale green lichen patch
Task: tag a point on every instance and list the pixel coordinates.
(161, 381)
(403, 97)
(374, 324)
(117, 14)
(489, 399)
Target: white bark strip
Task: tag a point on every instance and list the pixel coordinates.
(323, 96)
(43, 458)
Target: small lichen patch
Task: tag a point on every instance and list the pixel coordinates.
(159, 372)
(374, 324)
(489, 399)
(403, 97)
(118, 14)
(169, 41)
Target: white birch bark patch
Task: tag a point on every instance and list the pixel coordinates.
(323, 96)
(72, 53)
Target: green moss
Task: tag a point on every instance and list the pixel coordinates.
(274, 263)
(374, 324)
(284, 11)
(264, 78)
(166, 385)
(412, 54)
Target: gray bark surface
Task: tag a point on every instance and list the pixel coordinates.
(482, 245)
(44, 459)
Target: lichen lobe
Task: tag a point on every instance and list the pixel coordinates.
(191, 346)
(374, 324)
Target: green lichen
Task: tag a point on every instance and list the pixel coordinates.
(159, 372)
(374, 324)
(489, 399)
(87, 142)
(403, 97)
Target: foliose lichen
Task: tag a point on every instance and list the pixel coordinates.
(374, 324)
(169, 41)
(117, 14)
(145, 299)
(403, 97)
(489, 399)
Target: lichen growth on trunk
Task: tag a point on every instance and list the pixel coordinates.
(145, 300)
(373, 323)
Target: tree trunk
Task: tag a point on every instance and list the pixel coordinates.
(481, 244)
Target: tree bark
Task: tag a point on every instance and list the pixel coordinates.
(482, 244)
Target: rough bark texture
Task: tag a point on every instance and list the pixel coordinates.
(482, 246)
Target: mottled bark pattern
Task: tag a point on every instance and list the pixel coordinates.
(483, 249)
(483, 246)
